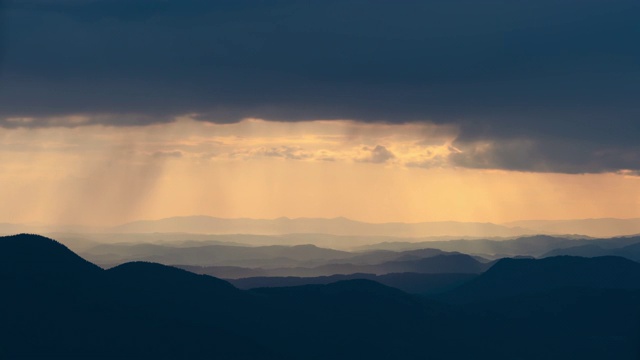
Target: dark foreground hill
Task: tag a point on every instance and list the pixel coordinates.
(56, 305)
(512, 277)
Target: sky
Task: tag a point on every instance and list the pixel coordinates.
(113, 111)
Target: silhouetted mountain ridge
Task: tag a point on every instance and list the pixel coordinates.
(511, 277)
(145, 310)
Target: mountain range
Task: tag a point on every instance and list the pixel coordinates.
(234, 260)
(58, 305)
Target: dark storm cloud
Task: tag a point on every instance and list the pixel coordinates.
(542, 155)
(543, 72)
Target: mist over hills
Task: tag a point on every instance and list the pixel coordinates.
(606, 227)
(62, 306)
(335, 226)
(449, 263)
(298, 260)
(222, 255)
(338, 233)
(603, 227)
(236, 260)
(535, 246)
(631, 252)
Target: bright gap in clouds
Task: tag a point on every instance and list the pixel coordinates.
(96, 175)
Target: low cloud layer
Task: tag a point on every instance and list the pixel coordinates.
(532, 86)
(205, 143)
(106, 175)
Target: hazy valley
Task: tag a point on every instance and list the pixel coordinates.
(318, 296)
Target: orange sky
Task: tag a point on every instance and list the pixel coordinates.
(96, 175)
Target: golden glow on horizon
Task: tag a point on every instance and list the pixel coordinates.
(95, 175)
